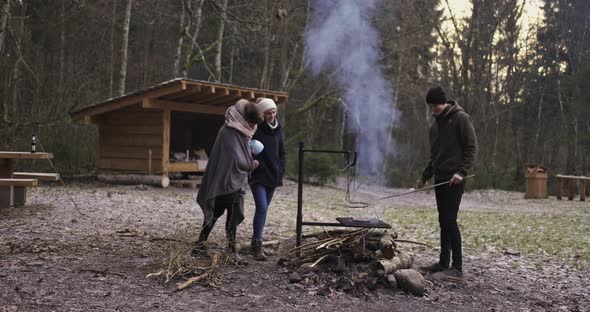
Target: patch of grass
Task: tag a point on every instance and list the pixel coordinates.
(545, 234)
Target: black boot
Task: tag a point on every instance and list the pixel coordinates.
(232, 252)
(257, 250)
(203, 236)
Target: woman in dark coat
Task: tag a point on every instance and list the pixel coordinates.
(269, 174)
(226, 175)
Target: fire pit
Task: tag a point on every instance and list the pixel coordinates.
(355, 261)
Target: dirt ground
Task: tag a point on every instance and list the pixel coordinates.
(95, 256)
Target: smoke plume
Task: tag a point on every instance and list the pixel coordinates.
(341, 41)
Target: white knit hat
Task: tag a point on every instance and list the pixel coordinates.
(266, 104)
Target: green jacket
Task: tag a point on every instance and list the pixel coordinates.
(453, 144)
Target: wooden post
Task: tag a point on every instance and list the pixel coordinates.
(19, 196)
(559, 182)
(150, 161)
(5, 191)
(570, 189)
(166, 142)
(582, 186)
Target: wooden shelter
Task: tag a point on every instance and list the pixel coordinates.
(139, 131)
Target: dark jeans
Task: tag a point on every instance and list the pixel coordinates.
(262, 197)
(234, 204)
(448, 199)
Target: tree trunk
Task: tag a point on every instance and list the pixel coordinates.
(123, 51)
(265, 68)
(181, 31)
(149, 49)
(196, 18)
(147, 55)
(231, 63)
(539, 122)
(219, 47)
(112, 47)
(4, 101)
(62, 58)
(16, 78)
(4, 12)
(575, 146)
(284, 41)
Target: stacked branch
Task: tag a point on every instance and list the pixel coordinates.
(179, 262)
(318, 250)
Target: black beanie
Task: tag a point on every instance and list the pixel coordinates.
(436, 95)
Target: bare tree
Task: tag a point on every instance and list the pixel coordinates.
(265, 79)
(219, 47)
(196, 16)
(4, 12)
(123, 52)
(112, 47)
(183, 27)
(62, 53)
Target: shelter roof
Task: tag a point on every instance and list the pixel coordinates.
(181, 95)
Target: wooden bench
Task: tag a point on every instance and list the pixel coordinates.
(19, 182)
(569, 181)
(8, 198)
(38, 176)
(20, 192)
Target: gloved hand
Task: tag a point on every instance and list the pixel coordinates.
(456, 179)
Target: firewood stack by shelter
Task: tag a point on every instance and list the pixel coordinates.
(356, 261)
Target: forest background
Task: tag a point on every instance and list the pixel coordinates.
(521, 77)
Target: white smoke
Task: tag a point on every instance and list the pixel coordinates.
(341, 40)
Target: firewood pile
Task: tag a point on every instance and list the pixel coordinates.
(355, 261)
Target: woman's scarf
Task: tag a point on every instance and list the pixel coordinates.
(234, 118)
(275, 125)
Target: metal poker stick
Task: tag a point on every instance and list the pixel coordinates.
(412, 190)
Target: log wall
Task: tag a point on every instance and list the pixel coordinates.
(127, 136)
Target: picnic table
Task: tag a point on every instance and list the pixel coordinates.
(13, 184)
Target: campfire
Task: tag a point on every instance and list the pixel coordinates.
(356, 261)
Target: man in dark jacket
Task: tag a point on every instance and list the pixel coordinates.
(453, 145)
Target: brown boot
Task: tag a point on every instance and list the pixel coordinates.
(257, 250)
